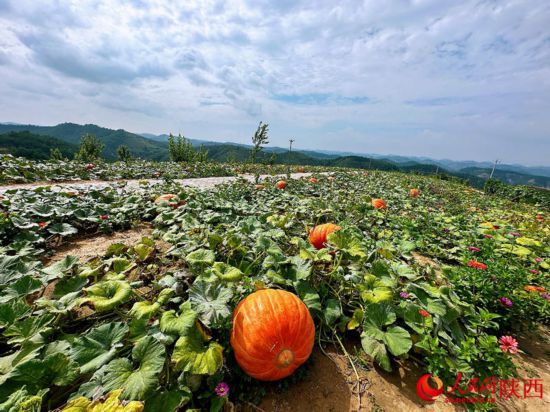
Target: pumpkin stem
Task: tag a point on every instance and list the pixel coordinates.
(284, 358)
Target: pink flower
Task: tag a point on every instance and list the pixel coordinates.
(538, 260)
(534, 271)
(474, 249)
(506, 302)
(222, 389)
(508, 344)
(515, 234)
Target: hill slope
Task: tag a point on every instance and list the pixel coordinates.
(71, 133)
(33, 146)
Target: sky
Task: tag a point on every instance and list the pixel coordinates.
(442, 79)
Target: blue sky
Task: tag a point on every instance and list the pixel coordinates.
(444, 79)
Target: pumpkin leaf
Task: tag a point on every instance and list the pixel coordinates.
(108, 294)
(192, 354)
(201, 257)
(332, 312)
(62, 229)
(376, 350)
(98, 346)
(167, 401)
(20, 288)
(110, 404)
(136, 382)
(227, 272)
(57, 369)
(173, 324)
(398, 340)
(210, 301)
(27, 328)
(12, 311)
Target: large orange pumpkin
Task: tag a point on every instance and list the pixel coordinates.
(272, 334)
(379, 203)
(318, 236)
(281, 184)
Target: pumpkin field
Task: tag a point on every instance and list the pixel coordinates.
(226, 293)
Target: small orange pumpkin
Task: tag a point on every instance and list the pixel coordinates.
(301, 169)
(272, 335)
(312, 180)
(281, 184)
(318, 236)
(414, 192)
(379, 203)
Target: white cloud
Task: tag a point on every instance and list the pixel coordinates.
(425, 77)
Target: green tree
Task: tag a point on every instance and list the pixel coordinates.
(91, 148)
(123, 153)
(181, 150)
(55, 154)
(259, 139)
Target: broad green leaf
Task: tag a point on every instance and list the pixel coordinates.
(136, 382)
(226, 272)
(174, 324)
(122, 265)
(356, 320)
(525, 241)
(12, 311)
(107, 295)
(167, 401)
(201, 257)
(191, 354)
(68, 285)
(332, 312)
(144, 310)
(398, 340)
(309, 295)
(58, 269)
(376, 350)
(27, 328)
(23, 401)
(143, 251)
(62, 229)
(380, 314)
(57, 369)
(20, 288)
(210, 301)
(98, 346)
(377, 295)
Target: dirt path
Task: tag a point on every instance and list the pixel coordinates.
(202, 183)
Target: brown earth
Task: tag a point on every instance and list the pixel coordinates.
(90, 246)
(331, 384)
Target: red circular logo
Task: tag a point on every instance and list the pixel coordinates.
(425, 391)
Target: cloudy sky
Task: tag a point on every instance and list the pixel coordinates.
(445, 79)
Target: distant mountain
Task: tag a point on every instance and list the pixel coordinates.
(510, 177)
(33, 146)
(71, 133)
(155, 147)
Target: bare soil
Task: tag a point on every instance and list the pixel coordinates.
(331, 384)
(90, 246)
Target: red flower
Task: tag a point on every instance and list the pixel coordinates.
(424, 313)
(104, 217)
(488, 236)
(42, 224)
(477, 265)
(508, 344)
